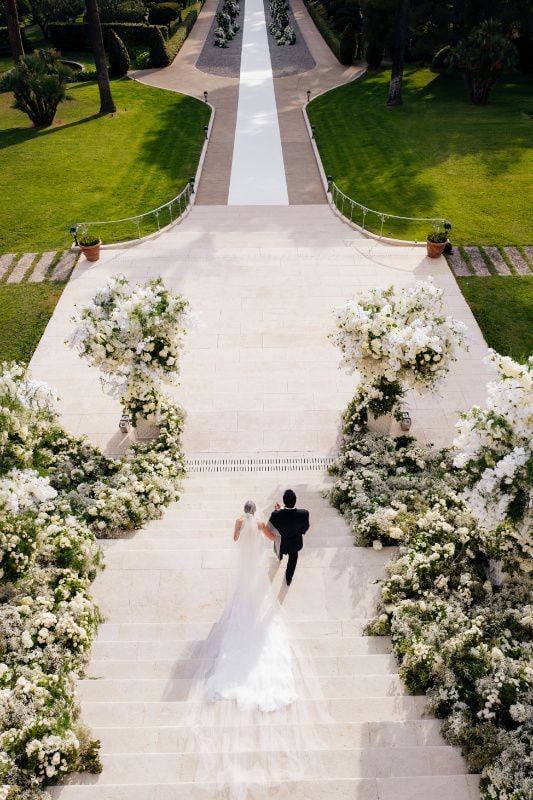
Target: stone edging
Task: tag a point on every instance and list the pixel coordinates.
(487, 260)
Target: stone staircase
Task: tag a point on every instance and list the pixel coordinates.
(162, 590)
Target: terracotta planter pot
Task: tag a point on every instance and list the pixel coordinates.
(435, 249)
(91, 252)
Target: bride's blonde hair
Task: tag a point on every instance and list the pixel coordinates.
(249, 507)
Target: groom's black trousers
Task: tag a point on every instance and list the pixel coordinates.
(291, 564)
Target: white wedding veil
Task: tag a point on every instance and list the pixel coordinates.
(255, 710)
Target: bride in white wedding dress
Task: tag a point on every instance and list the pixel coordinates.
(254, 701)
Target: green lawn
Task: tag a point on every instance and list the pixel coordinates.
(503, 307)
(25, 309)
(87, 167)
(437, 155)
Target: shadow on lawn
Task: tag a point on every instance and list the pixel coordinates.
(436, 124)
(15, 136)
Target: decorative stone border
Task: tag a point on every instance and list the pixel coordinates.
(490, 260)
(52, 265)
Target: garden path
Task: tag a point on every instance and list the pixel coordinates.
(303, 179)
(259, 379)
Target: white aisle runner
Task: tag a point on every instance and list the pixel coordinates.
(257, 170)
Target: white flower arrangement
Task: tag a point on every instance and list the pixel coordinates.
(465, 643)
(135, 337)
(397, 341)
(494, 448)
(57, 494)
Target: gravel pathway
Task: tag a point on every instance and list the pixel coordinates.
(224, 61)
(288, 59)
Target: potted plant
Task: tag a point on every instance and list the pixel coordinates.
(437, 240)
(90, 247)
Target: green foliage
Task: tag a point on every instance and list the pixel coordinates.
(67, 37)
(39, 85)
(347, 45)
(119, 60)
(483, 56)
(113, 11)
(190, 19)
(316, 12)
(158, 51)
(43, 12)
(437, 236)
(163, 13)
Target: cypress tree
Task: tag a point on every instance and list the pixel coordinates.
(119, 60)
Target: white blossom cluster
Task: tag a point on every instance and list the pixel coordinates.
(57, 493)
(398, 339)
(466, 644)
(135, 337)
(494, 447)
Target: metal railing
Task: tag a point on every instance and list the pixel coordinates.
(139, 226)
(375, 221)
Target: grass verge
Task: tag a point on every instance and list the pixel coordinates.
(25, 309)
(86, 167)
(503, 307)
(436, 156)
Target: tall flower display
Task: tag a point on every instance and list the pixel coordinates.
(135, 337)
(397, 341)
(494, 449)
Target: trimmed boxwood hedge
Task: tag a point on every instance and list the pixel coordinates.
(75, 35)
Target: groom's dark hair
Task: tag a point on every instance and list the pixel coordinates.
(289, 498)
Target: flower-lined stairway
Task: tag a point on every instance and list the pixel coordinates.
(258, 377)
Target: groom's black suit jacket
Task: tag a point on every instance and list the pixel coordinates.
(291, 524)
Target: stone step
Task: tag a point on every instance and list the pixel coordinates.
(171, 541)
(380, 664)
(119, 558)
(520, 264)
(178, 689)
(200, 523)
(172, 739)
(370, 709)
(163, 631)
(137, 769)
(328, 646)
(440, 787)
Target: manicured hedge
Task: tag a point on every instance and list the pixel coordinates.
(75, 36)
(329, 36)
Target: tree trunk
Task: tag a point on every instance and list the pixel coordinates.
(107, 105)
(13, 29)
(401, 22)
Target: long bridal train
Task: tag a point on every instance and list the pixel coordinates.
(255, 705)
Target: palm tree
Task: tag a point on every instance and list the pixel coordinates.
(107, 104)
(13, 29)
(401, 22)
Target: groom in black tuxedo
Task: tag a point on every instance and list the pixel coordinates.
(291, 523)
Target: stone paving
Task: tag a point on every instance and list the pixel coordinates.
(497, 261)
(259, 378)
(53, 265)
